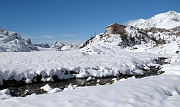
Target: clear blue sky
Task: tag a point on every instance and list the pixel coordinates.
(74, 20)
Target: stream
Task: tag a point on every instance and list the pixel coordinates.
(35, 88)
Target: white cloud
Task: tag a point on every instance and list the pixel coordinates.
(47, 36)
(67, 35)
(129, 21)
(25, 36)
(37, 36)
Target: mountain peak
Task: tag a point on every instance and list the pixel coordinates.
(171, 12)
(168, 20)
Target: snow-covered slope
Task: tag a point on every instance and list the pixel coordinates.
(166, 20)
(101, 56)
(12, 42)
(156, 40)
(70, 46)
(101, 43)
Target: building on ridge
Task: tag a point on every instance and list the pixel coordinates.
(115, 28)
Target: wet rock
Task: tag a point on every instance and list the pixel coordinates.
(5, 91)
(1, 81)
(25, 93)
(147, 69)
(28, 81)
(90, 78)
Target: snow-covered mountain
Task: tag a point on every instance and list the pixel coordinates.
(43, 45)
(12, 42)
(134, 39)
(159, 32)
(57, 46)
(70, 46)
(132, 52)
(166, 20)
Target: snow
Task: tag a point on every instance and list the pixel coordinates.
(98, 80)
(28, 81)
(54, 90)
(156, 91)
(48, 79)
(47, 87)
(4, 94)
(166, 20)
(48, 63)
(115, 80)
(43, 45)
(100, 57)
(70, 87)
(174, 67)
(50, 90)
(5, 91)
(12, 42)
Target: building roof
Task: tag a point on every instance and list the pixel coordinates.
(113, 25)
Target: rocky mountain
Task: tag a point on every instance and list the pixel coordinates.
(12, 42)
(168, 20)
(43, 45)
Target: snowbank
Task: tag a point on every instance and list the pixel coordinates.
(101, 56)
(4, 94)
(29, 66)
(155, 91)
(174, 67)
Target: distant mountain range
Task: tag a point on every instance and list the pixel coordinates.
(163, 28)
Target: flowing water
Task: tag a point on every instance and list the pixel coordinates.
(19, 90)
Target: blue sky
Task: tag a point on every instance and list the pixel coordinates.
(74, 20)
